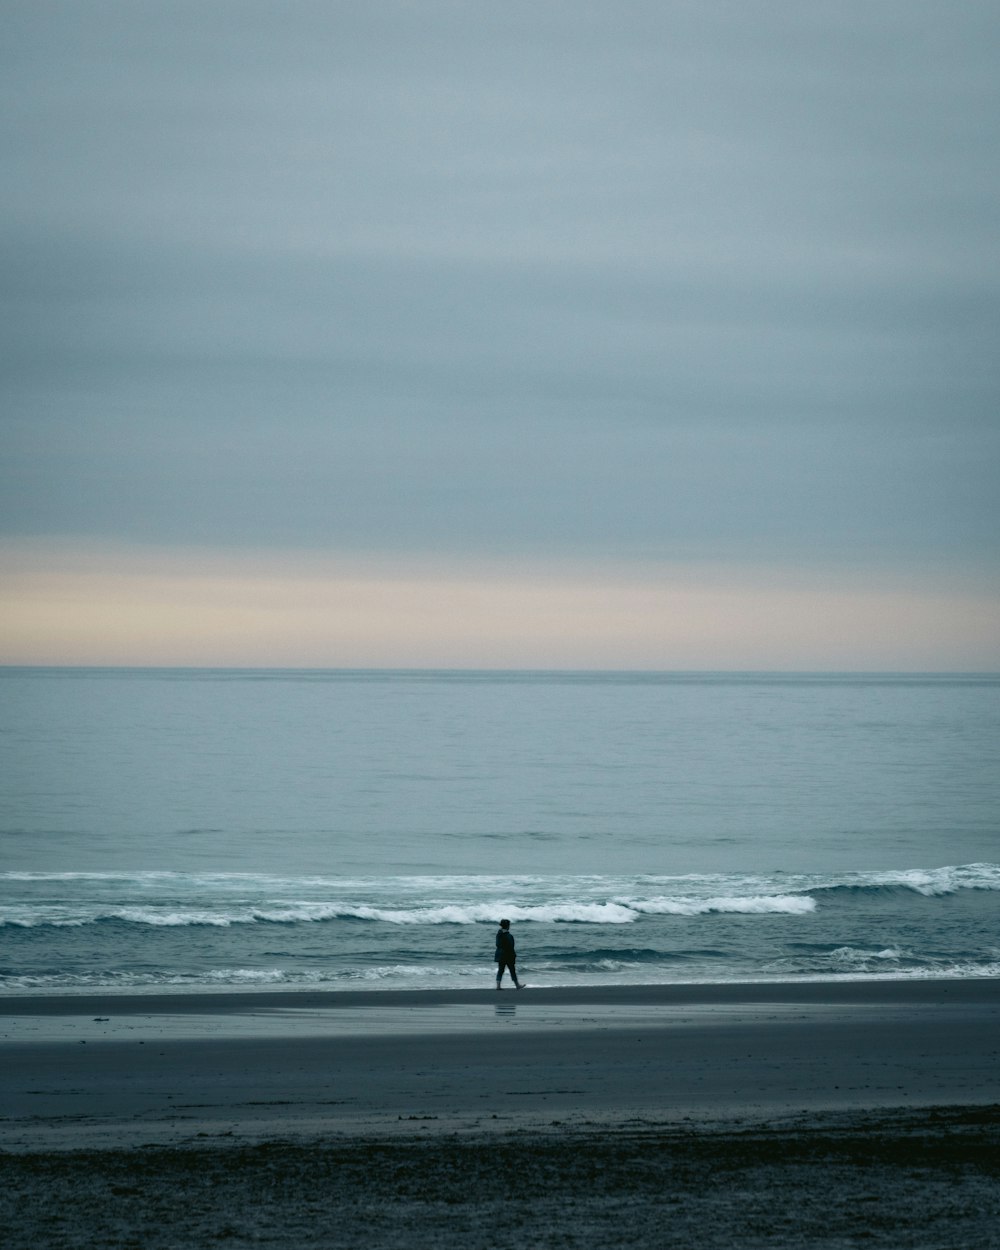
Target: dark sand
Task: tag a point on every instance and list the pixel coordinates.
(827, 1115)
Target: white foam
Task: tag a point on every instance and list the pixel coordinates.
(308, 912)
(851, 955)
(168, 899)
(479, 913)
(761, 904)
(931, 882)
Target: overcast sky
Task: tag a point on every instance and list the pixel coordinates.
(620, 333)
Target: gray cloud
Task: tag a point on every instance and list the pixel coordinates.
(636, 280)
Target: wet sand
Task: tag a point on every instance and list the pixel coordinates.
(783, 1114)
(133, 1070)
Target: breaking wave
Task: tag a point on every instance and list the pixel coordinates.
(615, 912)
(931, 883)
(761, 904)
(221, 900)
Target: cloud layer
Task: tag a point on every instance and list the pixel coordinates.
(627, 284)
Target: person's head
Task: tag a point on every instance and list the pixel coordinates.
(504, 924)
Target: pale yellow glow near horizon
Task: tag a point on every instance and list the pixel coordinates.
(126, 607)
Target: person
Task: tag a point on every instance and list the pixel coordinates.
(505, 954)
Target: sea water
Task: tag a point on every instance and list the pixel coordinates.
(216, 829)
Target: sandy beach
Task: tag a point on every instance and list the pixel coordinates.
(114, 1070)
(506, 1119)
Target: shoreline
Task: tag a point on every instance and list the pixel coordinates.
(875, 990)
(784, 1114)
(161, 1070)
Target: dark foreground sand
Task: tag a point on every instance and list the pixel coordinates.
(821, 1115)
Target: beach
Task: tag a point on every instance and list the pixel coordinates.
(753, 1113)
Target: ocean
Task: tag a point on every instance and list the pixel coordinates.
(215, 829)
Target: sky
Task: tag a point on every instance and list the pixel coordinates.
(631, 334)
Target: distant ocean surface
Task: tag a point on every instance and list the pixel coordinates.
(228, 829)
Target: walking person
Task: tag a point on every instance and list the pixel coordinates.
(505, 954)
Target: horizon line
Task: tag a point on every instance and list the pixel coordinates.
(503, 670)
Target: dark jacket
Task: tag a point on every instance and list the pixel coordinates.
(505, 947)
